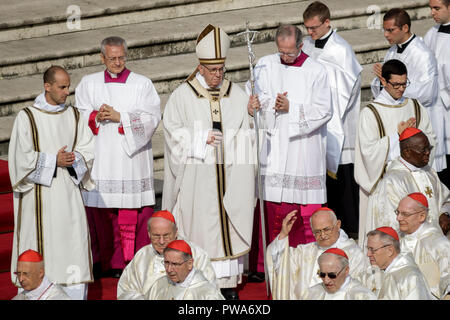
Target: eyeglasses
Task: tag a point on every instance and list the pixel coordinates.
(291, 55)
(156, 237)
(220, 70)
(398, 85)
(314, 27)
(390, 30)
(423, 150)
(369, 249)
(113, 59)
(174, 264)
(405, 214)
(331, 275)
(326, 231)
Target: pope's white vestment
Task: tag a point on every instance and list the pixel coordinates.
(194, 287)
(49, 215)
(377, 143)
(439, 44)
(147, 266)
(401, 179)
(351, 289)
(423, 76)
(431, 251)
(211, 190)
(292, 271)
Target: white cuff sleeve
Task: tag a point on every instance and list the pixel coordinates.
(277, 249)
(45, 168)
(80, 168)
(394, 147)
(198, 147)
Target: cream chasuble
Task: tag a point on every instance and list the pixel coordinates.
(344, 74)
(46, 291)
(210, 191)
(126, 182)
(292, 271)
(147, 266)
(431, 251)
(401, 179)
(377, 143)
(423, 75)
(49, 215)
(194, 287)
(439, 43)
(351, 290)
(293, 148)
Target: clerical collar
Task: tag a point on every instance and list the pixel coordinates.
(37, 293)
(41, 103)
(202, 81)
(384, 97)
(118, 78)
(340, 242)
(408, 165)
(298, 62)
(444, 28)
(401, 47)
(320, 43)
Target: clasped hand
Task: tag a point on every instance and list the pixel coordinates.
(107, 112)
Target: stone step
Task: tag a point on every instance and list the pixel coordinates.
(24, 19)
(156, 38)
(168, 72)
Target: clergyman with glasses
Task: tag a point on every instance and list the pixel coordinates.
(337, 284)
(394, 274)
(410, 172)
(377, 139)
(147, 265)
(182, 281)
(292, 271)
(429, 247)
(422, 73)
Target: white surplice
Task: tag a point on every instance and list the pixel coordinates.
(373, 153)
(344, 74)
(292, 271)
(431, 251)
(194, 287)
(293, 148)
(45, 291)
(222, 227)
(439, 43)
(423, 75)
(402, 280)
(123, 166)
(351, 289)
(401, 179)
(147, 266)
(49, 215)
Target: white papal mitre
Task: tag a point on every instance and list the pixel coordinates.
(212, 45)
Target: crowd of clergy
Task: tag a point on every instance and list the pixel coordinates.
(356, 200)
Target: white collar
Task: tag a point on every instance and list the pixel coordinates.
(416, 233)
(202, 81)
(385, 98)
(113, 75)
(392, 264)
(410, 166)
(327, 34)
(35, 294)
(401, 44)
(41, 103)
(340, 242)
(187, 281)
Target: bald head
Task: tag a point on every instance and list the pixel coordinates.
(50, 74)
(325, 227)
(161, 232)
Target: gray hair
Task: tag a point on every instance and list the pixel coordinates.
(343, 262)
(289, 30)
(150, 219)
(113, 41)
(385, 239)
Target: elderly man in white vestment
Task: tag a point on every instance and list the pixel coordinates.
(293, 92)
(209, 166)
(147, 265)
(380, 124)
(429, 247)
(292, 271)
(407, 174)
(438, 40)
(337, 284)
(422, 73)
(30, 273)
(123, 111)
(344, 73)
(394, 275)
(182, 280)
(50, 158)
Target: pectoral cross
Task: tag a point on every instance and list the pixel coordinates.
(429, 192)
